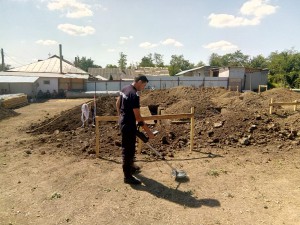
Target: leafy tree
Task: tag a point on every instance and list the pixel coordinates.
(147, 61)
(111, 66)
(216, 60)
(178, 64)
(158, 60)
(284, 68)
(152, 60)
(290, 79)
(297, 83)
(238, 59)
(122, 62)
(84, 63)
(200, 64)
(231, 59)
(259, 62)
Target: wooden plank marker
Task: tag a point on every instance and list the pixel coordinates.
(272, 104)
(147, 118)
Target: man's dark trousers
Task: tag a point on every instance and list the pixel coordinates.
(128, 148)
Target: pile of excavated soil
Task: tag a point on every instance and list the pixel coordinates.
(222, 119)
(6, 113)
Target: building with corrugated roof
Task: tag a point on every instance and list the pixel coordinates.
(119, 74)
(52, 75)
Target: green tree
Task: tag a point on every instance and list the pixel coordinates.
(238, 59)
(84, 63)
(178, 64)
(259, 62)
(122, 62)
(147, 61)
(158, 60)
(111, 66)
(231, 59)
(200, 64)
(284, 68)
(216, 60)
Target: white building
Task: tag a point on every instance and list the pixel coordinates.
(239, 78)
(50, 75)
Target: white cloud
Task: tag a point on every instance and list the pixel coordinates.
(168, 41)
(148, 45)
(100, 7)
(46, 42)
(73, 8)
(171, 41)
(124, 40)
(76, 30)
(221, 45)
(225, 20)
(111, 50)
(257, 9)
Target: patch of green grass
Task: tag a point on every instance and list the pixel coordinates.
(213, 173)
(216, 173)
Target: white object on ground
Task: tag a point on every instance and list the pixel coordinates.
(84, 113)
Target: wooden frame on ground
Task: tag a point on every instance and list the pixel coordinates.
(146, 118)
(272, 104)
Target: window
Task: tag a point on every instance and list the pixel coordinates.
(47, 82)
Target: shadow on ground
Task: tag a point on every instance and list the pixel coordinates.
(173, 195)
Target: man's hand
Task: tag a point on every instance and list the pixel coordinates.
(148, 131)
(150, 135)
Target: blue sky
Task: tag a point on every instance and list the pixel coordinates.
(101, 29)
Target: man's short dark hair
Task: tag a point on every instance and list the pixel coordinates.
(141, 77)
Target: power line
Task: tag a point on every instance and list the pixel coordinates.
(12, 59)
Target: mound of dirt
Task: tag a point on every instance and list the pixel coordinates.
(6, 113)
(222, 119)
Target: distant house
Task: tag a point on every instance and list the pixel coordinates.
(50, 75)
(240, 78)
(203, 71)
(118, 74)
(245, 78)
(111, 73)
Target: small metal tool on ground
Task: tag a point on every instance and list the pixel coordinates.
(180, 175)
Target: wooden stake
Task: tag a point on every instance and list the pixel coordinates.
(271, 106)
(192, 129)
(97, 137)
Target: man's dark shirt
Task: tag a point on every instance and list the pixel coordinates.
(129, 100)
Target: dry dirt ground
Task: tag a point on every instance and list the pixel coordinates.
(244, 168)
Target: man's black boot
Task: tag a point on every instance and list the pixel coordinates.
(132, 180)
(135, 169)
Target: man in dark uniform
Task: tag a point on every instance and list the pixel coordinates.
(128, 107)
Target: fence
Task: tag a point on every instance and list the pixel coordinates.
(163, 83)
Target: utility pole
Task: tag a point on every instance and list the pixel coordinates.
(2, 55)
(60, 57)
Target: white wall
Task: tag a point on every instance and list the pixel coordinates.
(161, 82)
(14, 88)
(47, 87)
(237, 72)
(224, 72)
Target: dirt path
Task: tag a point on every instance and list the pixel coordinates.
(227, 186)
